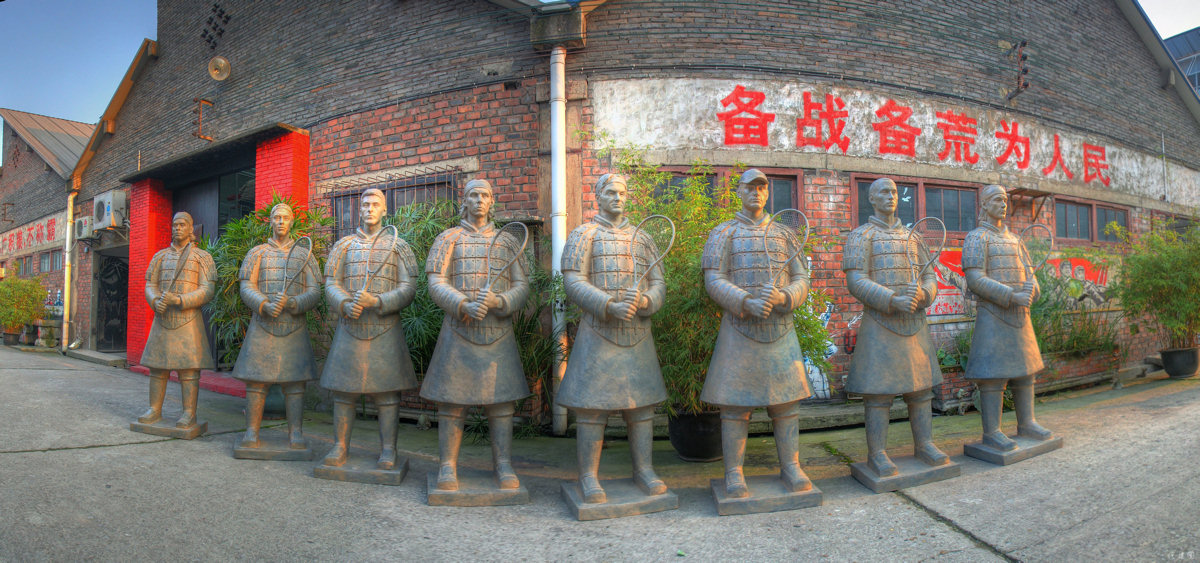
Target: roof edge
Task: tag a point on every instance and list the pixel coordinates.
(18, 126)
(1141, 25)
(107, 122)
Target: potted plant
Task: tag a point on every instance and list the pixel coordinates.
(21, 302)
(1160, 278)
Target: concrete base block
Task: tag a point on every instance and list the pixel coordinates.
(274, 450)
(475, 488)
(625, 498)
(165, 427)
(767, 494)
(1026, 448)
(364, 470)
(913, 472)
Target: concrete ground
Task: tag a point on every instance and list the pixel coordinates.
(76, 484)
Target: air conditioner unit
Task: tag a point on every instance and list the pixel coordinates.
(83, 228)
(110, 210)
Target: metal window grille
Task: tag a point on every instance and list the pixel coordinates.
(431, 184)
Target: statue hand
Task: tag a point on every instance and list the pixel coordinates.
(635, 298)
(1022, 299)
(621, 310)
(368, 300)
(476, 310)
(292, 306)
(276, 308)
(352, 309)
(773, 296)
(488, 299)
(174, 299)
(904, 303)
(760, 308)
(160, 305)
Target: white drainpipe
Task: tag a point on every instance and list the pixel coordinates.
(66, 312)
(558, 207)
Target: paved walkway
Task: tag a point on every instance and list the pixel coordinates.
(75, 483)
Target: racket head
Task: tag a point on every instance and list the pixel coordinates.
(296, 261)
(794, 223)
(506, 247)
(375, 257)
(652, 240)
(1038, 246)
(929, 234)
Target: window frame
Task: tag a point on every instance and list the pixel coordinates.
(921, 184)
(723, 173)
(1095, 229)
(430, 183)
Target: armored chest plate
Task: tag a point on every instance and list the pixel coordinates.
(752, 264)
(468, 272)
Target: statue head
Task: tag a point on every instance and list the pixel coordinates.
(754, 191)
(993, 203)
(611, 194)
(281, 219)
(477, 200)
(181, 228)
(373, 206)
(884, 196)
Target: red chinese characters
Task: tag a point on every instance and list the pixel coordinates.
(1016, 144)
(1057, 162)
(820, 118)
(958, 133)
(896, 136)
(745, 125)
(1095, 163)
(50, 225)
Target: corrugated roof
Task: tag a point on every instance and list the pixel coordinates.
(59, 142)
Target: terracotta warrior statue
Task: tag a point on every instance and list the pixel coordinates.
(279, 284)
(757, 360)
(613, 364)
(180, 279)
(1003, 347)
(476, 360)
(368, 354)
(895, 354)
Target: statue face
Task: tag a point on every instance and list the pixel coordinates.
(478, 203)
(754, 196)
(281, 222)
(996, 206)
(612, 199)
(181, 230)
(884, 198)
(372, 210)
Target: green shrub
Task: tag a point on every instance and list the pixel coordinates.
(1160, 277)
(22, 301)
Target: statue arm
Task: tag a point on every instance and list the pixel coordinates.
(1033, 280)
(443, 293)
(797, 290)
(656, 293)
(153, 273)
(587, 296)
(928, 282)
(207, 282)
(311, 295)
(988, 288)
(871, 294)
(518, 291)
(395, 299)
(714, 262)
(248, 282)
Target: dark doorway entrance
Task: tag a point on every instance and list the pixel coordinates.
(112, 302)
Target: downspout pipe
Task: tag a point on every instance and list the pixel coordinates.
(558, 210)
(67, 263)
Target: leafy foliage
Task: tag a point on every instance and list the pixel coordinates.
(22, 301)
(1160, 277)
(1062, 325)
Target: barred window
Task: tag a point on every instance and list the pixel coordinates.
(397, 193)
(956, 205)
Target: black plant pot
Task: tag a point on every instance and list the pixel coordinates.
(696, 437)
(1181, 363)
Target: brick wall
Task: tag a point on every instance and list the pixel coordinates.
(28, 183)
(281, 167)
(150, 231)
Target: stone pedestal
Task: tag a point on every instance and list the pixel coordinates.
(1026, 448)
(913, 472)
(274, 449)
(767, 494)
(625, 498)
(363, 469)
(166, 427)
(475, 488)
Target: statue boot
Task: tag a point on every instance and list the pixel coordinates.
(589, 439)
(293, 404)
(500, 425)
(877, 416)
(189, 385)
(388, 406)
(1023, 404)
(735, 425)
(991, 407)
(451, 421)
(343, 420)
(920, 419)
(786, 420)
(640, 422)
(158, 392)
(256, 397)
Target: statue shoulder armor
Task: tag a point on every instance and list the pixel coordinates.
(408, 259)
(442, 246)
(208, 268)
(578, 244)
(252, 258)
(974, 253)
(714, 249)
(858, 248)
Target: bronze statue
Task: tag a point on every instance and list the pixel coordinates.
(279, 283)
(613, 365)
(1003, 347)
(179, 280)
(369, 278)
(476, 360)
(895, 354)
(757, 360)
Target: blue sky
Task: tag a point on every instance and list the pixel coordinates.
(64, 58)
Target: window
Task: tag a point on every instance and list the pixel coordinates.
(398, 193)
(23, 266)
(782, 183)
(51, 261)
(956, 205)
(1106, 215)
(1085, 221)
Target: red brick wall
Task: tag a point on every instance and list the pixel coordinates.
(149, 231)
(281, 167)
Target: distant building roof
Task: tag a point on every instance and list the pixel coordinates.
(1185, 49)
(59, 142)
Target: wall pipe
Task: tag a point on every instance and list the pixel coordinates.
(67, 262)
(558, 211)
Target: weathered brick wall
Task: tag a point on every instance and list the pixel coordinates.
(28, 183)
(149, 232)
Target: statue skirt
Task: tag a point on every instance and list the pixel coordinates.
(185, 347)
(379, 365)
(744, 372)
(603, 376)
(1001, 351)
(267, 358)
(887, 363)
(462, 372)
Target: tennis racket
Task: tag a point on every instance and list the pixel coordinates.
(1037, 250)
(375, 264)
(506, 247)
(927, 234)
(654, 237)
(793, 222)
(301, 261)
